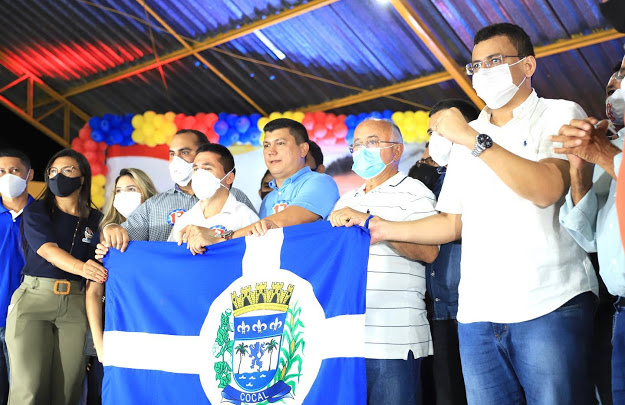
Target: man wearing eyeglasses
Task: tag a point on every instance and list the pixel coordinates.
(397, 334)
(589, 213)
(526, 299)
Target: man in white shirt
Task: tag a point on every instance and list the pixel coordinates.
(526, 288)
(397, 332)
(217, 209)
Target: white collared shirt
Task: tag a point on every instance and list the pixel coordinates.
(517, 262)
(233, 216)
(396, 319)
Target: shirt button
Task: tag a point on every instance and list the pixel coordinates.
(437, 299)
(432, 274)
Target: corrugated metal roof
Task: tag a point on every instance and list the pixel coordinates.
(359, 44)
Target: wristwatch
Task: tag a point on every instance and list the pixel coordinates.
(227, 235)
(482, 142)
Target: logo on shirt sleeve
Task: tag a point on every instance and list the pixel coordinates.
(279, 206)
(174, 215)
(218, 229)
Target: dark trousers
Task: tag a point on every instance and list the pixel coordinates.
(442, 379)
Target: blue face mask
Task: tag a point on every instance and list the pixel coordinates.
(368, 163)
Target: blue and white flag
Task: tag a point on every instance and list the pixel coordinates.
(255, 320)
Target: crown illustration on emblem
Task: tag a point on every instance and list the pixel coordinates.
(276, 298)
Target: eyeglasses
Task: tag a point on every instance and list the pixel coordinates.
(66, 170)
(370, 144)
(492, 61)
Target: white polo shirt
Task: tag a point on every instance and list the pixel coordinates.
(517, 262)
(396, 319)
(233, 216)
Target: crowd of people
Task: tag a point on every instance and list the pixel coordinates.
(480, 283)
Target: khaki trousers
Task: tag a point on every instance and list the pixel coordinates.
(45, 338)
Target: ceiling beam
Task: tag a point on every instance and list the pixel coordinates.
(416, 23)
(195, 53)
(557, 47)
(200, 46)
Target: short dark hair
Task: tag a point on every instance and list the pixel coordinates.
(199, 135)
(15, 153)
(263, 178)
(469, 111)
(225, 156)
(340, 166)
(519, 38)
(617, 67)
(296, 129)
(315, 152)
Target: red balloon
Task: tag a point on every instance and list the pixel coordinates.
(309, 122)
(91, 156)
(89, 145)
(77, 144)
(188, 122)
(340, 130)
(320, 116)
(319, 131)
(211, 119)
(212, 136)
(200, 116)
(85, 132)
(330, 120)
(102, 147)
(179, 120)
(201, 127)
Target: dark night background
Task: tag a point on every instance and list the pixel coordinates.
(20, 134)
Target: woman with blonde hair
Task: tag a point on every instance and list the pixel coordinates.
(132, 188)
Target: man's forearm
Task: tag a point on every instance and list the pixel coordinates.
(412, 251)
(433, 230)
(581, 181)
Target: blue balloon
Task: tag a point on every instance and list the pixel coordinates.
(105, 125)
(116, 135)
(349, 138)
(97, 135)
(242, 124)
(221, 128)
(253, 135)
(117, 121)
(375, 114)
(109, 140)
(232, 120)
(362, 117)
(351, 121)
(127, 141)
(254, 119)
(94, 123)
(229, 138)
(244, 137)
(108, 117)
(222, 116)
(128, 117)
(126, 129)
(387, 114)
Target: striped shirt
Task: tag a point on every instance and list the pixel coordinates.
(154, 219)
(396, 318)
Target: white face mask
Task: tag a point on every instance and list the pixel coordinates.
(12, 186)
(180, 171)
(495, 85)
(440, 149)
(205, 184)
(126, 202)
(615, 107)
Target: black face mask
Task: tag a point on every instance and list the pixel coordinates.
(427, 175)
(62, 186)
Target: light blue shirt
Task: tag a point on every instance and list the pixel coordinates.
(594, 225)
(313, 191)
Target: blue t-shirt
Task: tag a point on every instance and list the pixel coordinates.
(313, 191)
(12, 260)
(77, 238)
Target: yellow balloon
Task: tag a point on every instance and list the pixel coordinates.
(98, 200)
(262, 122)
(398, 117)
(148, 129)
(288, 114)
(160, 136)
(137, 121)
(158, 120)
(138, 136)
(298, 116)
(170, 116)
(98, 180)
(274, 115)
(408, 116)
(170, 128)
(149, 116)
(262, 137)
(151, 141)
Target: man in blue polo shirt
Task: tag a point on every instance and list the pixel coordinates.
(299, 195)
(15, 173)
